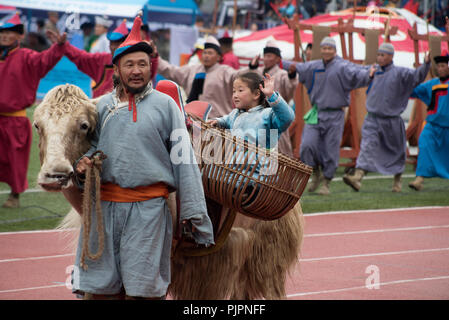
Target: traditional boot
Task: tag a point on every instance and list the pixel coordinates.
(417, 184)
(12, 201)
(316, 180)
(324, 190)
(354, 181)
(397, 183)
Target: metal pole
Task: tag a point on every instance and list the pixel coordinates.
(234, 18)
(434, 4)
(426, 6)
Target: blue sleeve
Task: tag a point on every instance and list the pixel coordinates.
(282, 114)
(304, 69)
(225, 121)
(415, 77)
(355, 76)
(423, 92)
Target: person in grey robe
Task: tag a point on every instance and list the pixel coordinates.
(144, 136)
(383, 145)
(329, 82)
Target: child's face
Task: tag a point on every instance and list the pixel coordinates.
(8, 37)
(243, 97)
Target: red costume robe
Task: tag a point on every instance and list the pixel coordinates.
(230, 59)
(20, 71)
(99, 67)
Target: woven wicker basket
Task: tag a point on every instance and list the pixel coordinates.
(254, 181)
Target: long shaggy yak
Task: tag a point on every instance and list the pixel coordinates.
(252, 263)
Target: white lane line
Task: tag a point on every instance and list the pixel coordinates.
(377, 211)
(32, 288)
(365, 287)
(26, 191)
(374, 231)
(38, 231)
(373, 254)
(38, 258)
(374, 177)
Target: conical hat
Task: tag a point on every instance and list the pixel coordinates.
(132, 43)
(13, 24)
(119, 33)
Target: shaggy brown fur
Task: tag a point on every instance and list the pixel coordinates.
(255, 262)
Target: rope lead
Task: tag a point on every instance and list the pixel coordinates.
(92, 176)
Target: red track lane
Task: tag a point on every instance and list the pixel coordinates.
(408, 251)
(405, 250)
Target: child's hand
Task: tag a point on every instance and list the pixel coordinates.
(212, 123)
(268, 87)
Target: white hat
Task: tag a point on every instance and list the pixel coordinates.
(272, 47)
(212, 42)
(386, 47)
(328, 41)
(104, 21)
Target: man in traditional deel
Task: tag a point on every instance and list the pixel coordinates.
(149, 154)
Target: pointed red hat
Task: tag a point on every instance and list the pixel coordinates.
(119, 33)
(132, 43)
(226, 39)
(13, 24)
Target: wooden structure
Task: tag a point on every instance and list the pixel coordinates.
(350, 145)
(419, 110)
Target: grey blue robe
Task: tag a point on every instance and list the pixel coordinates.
(383, 145)
(138, 235)
(328, 86)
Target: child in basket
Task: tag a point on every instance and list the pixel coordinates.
(260, 115)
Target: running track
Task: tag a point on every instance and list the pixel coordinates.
(377, 254)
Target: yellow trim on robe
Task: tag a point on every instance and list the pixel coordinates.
(20, 113)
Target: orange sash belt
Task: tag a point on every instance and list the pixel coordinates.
(114, 193)
(20, 113)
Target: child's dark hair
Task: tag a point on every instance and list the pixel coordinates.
(253, 80)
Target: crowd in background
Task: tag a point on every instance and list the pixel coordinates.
(36, 38)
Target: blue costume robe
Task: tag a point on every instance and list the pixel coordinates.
(433, 156)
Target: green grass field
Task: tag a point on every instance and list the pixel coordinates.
(43, 210)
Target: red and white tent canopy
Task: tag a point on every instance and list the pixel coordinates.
(251, 45)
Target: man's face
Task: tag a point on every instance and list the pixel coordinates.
(113, 45)
(100, 29)
(308, 54)
(210, 57)
(135, 71)
(328, 53)
(384, 59)
(270, 60)
(442, 69)
(8, 37)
